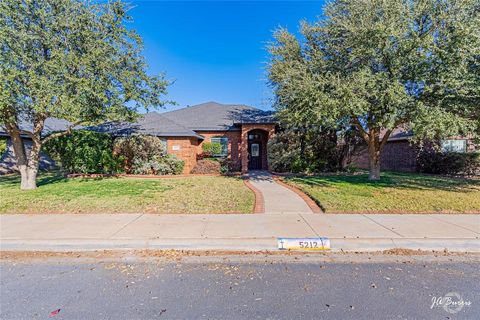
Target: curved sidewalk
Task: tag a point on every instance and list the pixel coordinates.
(277, 198)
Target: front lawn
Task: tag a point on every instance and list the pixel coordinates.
(395, 193)
(56, 194)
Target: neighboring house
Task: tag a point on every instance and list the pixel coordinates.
(7, 159)
(242, 131)
(399, 154)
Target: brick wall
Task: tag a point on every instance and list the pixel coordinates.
(184, 148)
(396, 156)
(189, 148)
(234, 145)
(399, 155)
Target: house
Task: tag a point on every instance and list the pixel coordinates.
(7, 159)
(242, 131)
(400, 154)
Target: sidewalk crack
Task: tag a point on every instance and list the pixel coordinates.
(308, 224)
(445, 221)
(381, 225)
(124, 226)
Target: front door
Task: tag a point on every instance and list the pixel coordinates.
(254, 158)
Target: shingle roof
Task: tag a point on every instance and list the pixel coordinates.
(399, 133)
(216, 116)
(51, 125)
(151, 123)
(179, 123)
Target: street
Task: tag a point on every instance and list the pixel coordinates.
(259, 286)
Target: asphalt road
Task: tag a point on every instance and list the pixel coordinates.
(257, 287)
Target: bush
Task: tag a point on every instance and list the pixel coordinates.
(437, 162)
(160, 165)
(3, 145)
(306, 151)
(84, 152)
(431, 159)
(138, 149)
(211, 148)
(207, 166)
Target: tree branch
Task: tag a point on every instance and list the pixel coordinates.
(62, 133)
(360, 128)
(385, 138)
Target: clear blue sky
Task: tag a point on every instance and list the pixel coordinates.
(215, 50)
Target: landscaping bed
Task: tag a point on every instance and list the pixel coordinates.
(58, 194)
(394, 193)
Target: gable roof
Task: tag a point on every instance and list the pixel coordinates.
(151, 123)
(215, 116)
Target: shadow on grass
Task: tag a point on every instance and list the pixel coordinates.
(43, 179)
(394, 180)
(9, 180)
(50, 179)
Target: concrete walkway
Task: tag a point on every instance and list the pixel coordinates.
(347, 232)
(277, 198)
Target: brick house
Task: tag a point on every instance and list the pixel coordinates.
(242, 131)
(399, 154)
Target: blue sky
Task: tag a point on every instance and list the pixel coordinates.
(215, 50)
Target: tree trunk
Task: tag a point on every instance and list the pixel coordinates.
(374, 161)
(28, 168)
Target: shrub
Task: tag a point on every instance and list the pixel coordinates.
(226, 165)
(211, 148)
(138, 149)
(3, 145)
(207, 166)
(304, 150)
(448, 162)
(84, 152)
(431, 159)
(160, 165)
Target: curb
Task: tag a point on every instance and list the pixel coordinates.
(243, 244)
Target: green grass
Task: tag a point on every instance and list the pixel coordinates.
(56, 194)
(394, 193)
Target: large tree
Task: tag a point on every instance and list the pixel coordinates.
(380, 64)
(68, 59)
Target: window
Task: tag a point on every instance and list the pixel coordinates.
(253, 136)
(454, 145)
(224, 143)
(255, 148)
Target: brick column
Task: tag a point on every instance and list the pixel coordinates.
(244, 149)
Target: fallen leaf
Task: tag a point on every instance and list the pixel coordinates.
(54, 313)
